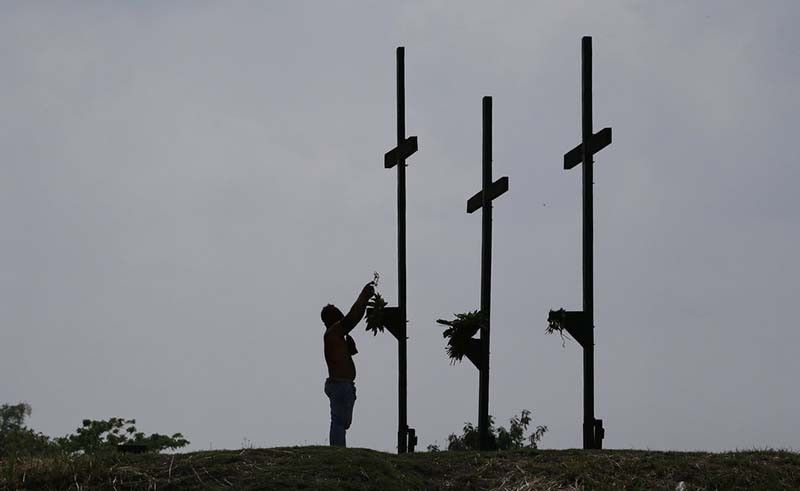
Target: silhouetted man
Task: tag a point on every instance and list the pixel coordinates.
(339, 350)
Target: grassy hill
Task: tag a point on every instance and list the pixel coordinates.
(359, 469)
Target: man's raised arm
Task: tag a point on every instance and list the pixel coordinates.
(357, 310)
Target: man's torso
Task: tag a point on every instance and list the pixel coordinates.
(338, 358)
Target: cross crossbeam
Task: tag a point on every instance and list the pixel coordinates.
(496, 190)
(401, 152)
(599, 141)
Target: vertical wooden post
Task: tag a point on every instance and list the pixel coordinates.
(588, 239)
(478, 350)
(402, 388)
(580, 325)
(486, 275)
(397, 317)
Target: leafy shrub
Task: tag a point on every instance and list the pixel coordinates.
(501, 438)
(104, 435)
(92, 437)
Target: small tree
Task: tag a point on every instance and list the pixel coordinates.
(514, 437)
(106, 435)
(15, 438)
(12, 417)
(92, 437)
(502, 438)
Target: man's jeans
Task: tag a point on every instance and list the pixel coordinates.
(342, 394)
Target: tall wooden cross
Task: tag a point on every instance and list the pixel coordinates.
(581, 324)
(478, 352)
(397, 317)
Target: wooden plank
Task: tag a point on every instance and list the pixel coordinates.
(497, 188)
(400, 152)
(600, 140)
(473, 353)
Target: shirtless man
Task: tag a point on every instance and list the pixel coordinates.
(339, 350)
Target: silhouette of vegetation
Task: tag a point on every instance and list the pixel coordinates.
(555, 324)
(106, 435)
(15, 438)
(376, 319)
(94, 436)
(513, 438)
(460, 331)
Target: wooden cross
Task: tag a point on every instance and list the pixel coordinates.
(397, 317)
(580, 324)
(478, 349)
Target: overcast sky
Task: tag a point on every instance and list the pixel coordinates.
(184, 185)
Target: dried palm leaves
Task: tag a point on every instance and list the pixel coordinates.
(460, 331)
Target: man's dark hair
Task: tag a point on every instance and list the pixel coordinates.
(330, 315)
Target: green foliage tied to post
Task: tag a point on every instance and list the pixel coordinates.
(460, 331)
(501, 438)
(555, 322)
(376, 320)
(376, 314)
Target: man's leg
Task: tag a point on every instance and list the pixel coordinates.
(339, 413)
(350, 394)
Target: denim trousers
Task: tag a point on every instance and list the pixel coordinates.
(342, 394)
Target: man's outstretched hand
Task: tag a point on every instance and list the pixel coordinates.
(357, 310)
(368, 291)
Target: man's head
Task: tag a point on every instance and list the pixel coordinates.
(331, 315)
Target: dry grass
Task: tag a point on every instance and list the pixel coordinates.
(359, 469)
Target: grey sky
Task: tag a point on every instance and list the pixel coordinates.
(184, 185)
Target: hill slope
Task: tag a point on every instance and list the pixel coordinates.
(359, 469)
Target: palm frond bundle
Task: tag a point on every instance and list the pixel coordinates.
(376, 320)
(555, 321)
(459, 332)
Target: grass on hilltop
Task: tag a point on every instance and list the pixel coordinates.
(360, 469)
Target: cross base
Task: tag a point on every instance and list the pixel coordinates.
(596, 433)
